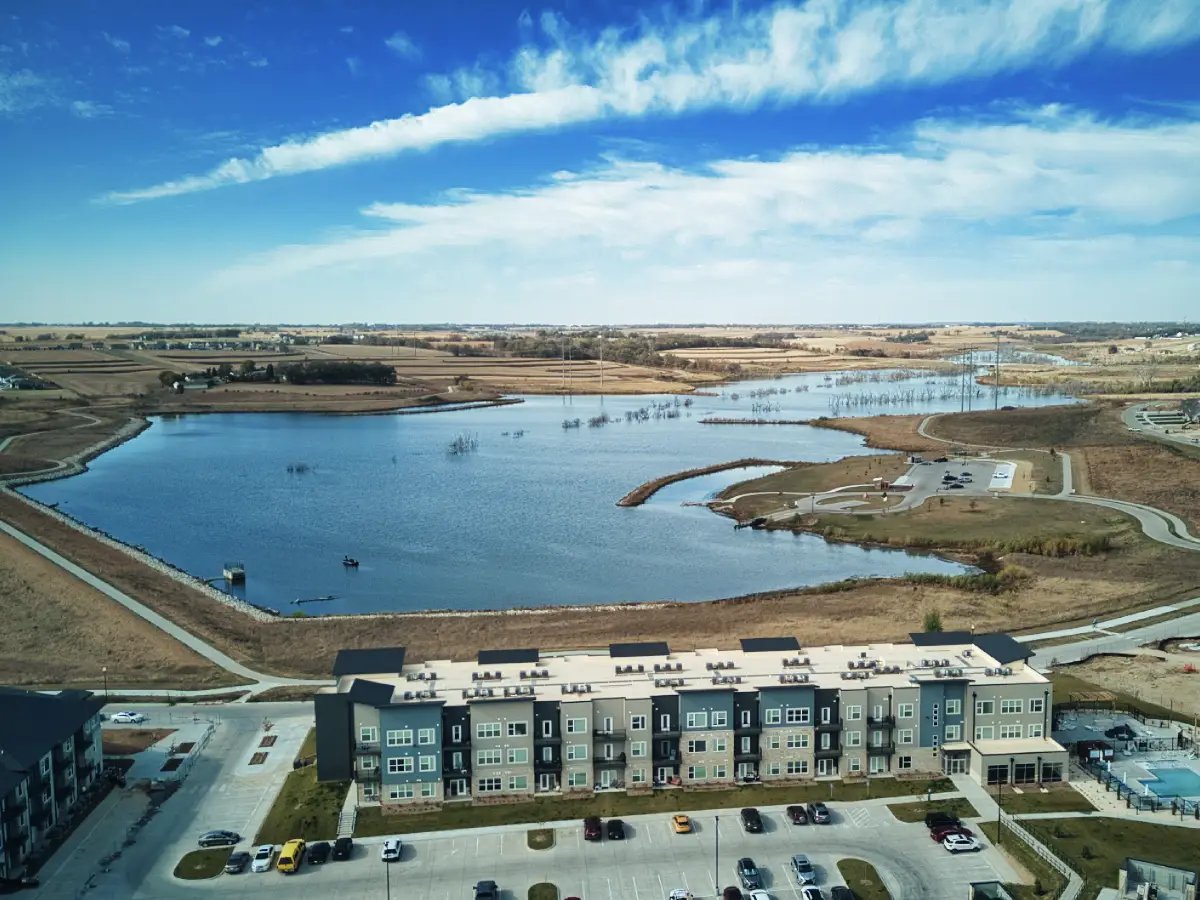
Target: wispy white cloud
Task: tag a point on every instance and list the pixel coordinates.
(1052, 174)
(822, 50)
(119, 44)
(175, 31)
(402, 45)
(213, 41)
(346, 29)
(22, 90)
(89, 109)
(353, 65)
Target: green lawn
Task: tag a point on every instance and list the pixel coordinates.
(1095, 847)
(862, 878)
(543, 891)
(1061, 799)
(372, 822)
(540, 838)
(304, 809)
(1047, 881)
(203, 863)
(915, 812)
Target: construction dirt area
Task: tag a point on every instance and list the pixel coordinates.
(1170, 679)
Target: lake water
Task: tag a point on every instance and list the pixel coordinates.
(520, 521)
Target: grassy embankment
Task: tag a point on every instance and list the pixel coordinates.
(1047, 881)
(372, 822)
(916, 812)
(861, 877)
(304, 807)
(773, 491)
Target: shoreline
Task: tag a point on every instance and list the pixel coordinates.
(648, 489)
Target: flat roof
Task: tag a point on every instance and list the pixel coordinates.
(768, 644)
(488, 657)
(1024, 746)
(368, 661)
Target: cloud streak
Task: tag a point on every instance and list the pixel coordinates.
(819, 51)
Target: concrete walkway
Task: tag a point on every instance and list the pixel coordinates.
(1105, 626)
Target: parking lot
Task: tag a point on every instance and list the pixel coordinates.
(651, 862)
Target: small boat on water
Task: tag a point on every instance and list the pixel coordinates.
(349, 562)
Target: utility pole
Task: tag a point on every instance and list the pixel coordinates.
(996, 391)
(602, 364)
(717, 858)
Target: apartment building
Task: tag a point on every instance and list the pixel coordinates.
(50, 754)
(516, 723)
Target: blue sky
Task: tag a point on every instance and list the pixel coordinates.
(584, 162)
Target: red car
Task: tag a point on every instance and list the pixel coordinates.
(798, 815)
(732, 893)
(592, 828)
(940, 834)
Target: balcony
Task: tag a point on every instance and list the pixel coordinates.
(669, 733)
(828, 752)
(615, 762)
(671, 757)
(367, 775)
(547, 765)
(13, 810)
(15, 833)
(747, 757)
(882, 721)
(367, 747)
(616, 734)
(881, 749)
(461, 771)
(547, 741)
(828, 727)
(747, 730)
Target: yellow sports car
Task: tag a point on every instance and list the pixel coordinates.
(681, 824)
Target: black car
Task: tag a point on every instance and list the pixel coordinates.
(751, 820)
(748, 875)
(219, 838)
(938, 820)
(592, 830)
(798, 815)
(840, 892)
(616, 830)
(819, 813)
(318, 852)
(342, 848)
(487, 890)
(942, 459)
(12, 885)
(238, 860)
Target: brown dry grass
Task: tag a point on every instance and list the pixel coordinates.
(59, 632)
(885, 432)
(1154, 677)
(128, 741)
(1041, 427)
(1154, 474)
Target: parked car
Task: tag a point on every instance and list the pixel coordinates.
(291, 856)
(798, 815)
(318, 853)
(681, 824)
(940, 834)
(960, 843)
(391, 850)
(12, 885)
(819, 813)
(343, 847)
(127, 717)
(942, 459)
(591, 828)
(486, 890)
(751, 820)
(938, 818)
(616, 830)
(732, 893)
(757, 895)
(237, 862)
(680, 894)
(263, 857)
(808, 892)
(955, 486)
(747, 873)
(219, 838)
(840, 892)
(803, 869)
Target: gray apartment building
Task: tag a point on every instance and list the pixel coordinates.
(516, 723)
(50, 755)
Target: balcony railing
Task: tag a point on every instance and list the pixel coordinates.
(462, 771)
(668, 733)
(827, 727)
(886, 749)
(616, 734)
(747, 730)
(368, 775)
(747, 757)
(83, 742)
(63, 792)
(828, 752)
(547, 741)
(547, 765)
(671, 756)
(367, 747)
(612, 762)
(885, 721)
(13, 811)
(63, 763)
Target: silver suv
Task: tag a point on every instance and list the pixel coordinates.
(803, 869)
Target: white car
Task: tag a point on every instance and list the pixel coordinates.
(680, 894)
(960, 843)
(757, 895)
(128, 717)
(390, 852)
(263, 857)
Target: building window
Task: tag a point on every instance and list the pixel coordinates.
(402, 738)
(577, 779)
(577, 751)
(488, 785)
(997, 774)
(367, 734)
(797, 767)
(904, 736)
(954, 707)
(904, 762)
(697, 720)
(905, 710)
(370, 791)
(637, 723)
(853, 713)
(1035, 731)
(773, 768)
(1037, 705)
(985, 707)
(400, 792)
(1052, 771)
(518, 782)
(720, 772)
(797, 741)
(720, 745)
(487, 730)
(773, 741)
(400, 765)
(855, 764)
(547, 754)
(428, 789)
(695, 773)
(576, 726)
(798, 716)
(488, 757)
(637, 776)
(773, 716)
(1010, 732)
(427, 763)
(853, 738)
(984, 732)
(953, 732)
(637, 748)
(697, 746)
(664, 722)
(1012, 707)
(720, 719)
(365, 764)
(456, 734)
(426, 736)
(518, 729)
(826, 715)
(933, 714)
(517, 756)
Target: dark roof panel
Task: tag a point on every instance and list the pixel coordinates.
(1003, 648)
(941, 638)
(647, 648)
(769, 644)
(370, 661)
(370, 693)
(490, 657)
(33, 723)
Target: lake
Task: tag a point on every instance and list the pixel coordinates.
(528, 518)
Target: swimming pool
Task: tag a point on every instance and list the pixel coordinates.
(1174, 782)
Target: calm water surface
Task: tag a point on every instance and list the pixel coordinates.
(521, 521)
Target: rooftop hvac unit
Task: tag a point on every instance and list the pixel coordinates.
(845, 676)
(802, 678)
(421, 676)
(660, 682)
(945, 662)
(657, 667)
(1007, 670)
(408, 695)
(641, 668)
(862, 654)
(937, 673)
(968, 652)
(873, 664)
(924, 664)
(989, 672)
(710, 666)
(806, 662)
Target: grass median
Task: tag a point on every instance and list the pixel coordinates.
(862, 878)
(304, 808)
(202, 864)
(372, 822)
(916, 812)
(1047, 882)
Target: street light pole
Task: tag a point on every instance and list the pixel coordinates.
(104, 671)
(387, 868)
(717, 857)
